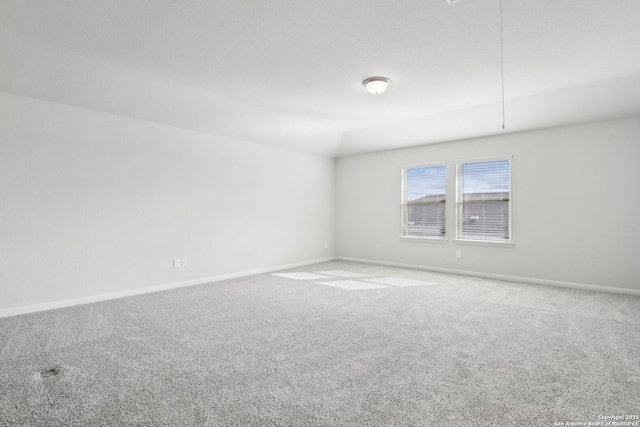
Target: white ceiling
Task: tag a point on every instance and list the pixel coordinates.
(288, 73)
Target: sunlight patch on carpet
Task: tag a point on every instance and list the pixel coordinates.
(399, 281)
(341, 273)
(351, 285)
(301, 275)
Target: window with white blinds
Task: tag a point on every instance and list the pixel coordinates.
(483, 200)
(424, 201)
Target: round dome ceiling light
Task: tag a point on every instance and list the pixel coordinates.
(376, 85)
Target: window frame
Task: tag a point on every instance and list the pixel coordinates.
(404, 200)
(459, 203)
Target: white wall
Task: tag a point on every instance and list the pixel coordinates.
(575, 204)
(92, 203)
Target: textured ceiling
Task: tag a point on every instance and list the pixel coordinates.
(288, 73)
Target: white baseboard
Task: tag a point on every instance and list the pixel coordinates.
(6, 312)
(507, 278)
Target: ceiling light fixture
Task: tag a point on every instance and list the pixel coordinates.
(376, 85)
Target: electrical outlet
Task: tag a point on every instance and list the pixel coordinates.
(177, 263)
(184, 262)
(458, 253)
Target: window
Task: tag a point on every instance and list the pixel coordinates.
(484, 200)
(424, 201)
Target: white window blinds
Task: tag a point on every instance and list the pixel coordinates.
(484, 200)
(424, 201)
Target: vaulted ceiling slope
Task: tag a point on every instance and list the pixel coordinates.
(288, 72)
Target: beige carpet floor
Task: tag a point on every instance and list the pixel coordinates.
(333, 344)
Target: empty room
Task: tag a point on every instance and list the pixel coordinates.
(319, 213)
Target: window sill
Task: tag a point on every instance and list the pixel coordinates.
(424, 239)
(504, 244)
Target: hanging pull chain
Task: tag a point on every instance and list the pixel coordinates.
(502, 64)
